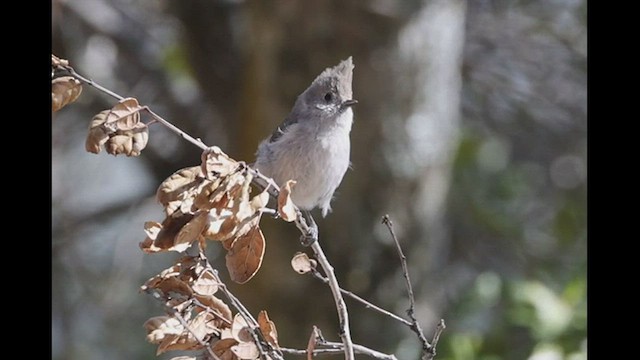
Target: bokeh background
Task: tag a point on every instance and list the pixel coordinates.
(470, 133)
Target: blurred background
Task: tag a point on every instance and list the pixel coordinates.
(470, 132)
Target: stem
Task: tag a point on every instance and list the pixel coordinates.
(367, 304)
(343, 315)
(429, 350)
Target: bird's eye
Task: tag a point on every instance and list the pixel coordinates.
(328, 96)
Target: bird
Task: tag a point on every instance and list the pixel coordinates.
(312, 145)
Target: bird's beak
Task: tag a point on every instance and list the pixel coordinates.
(347, 103)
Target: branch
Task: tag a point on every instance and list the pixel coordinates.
(343, 315)
(429, 350)
(366, 304)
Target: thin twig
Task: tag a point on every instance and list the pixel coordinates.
(343, 315)
(358, 349)
(429, 350)
(366, 304)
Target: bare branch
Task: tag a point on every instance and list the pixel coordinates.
(366, 303)
(429, 350)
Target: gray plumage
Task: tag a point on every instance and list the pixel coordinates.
(312, 145)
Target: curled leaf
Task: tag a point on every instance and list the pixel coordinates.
(98, 135)
(206, 283)
(164, 237)
(222, 348)
(219, 307)
(159, 327)
(260, 201)
(179, 190)
(268, 329)
(125, 114)
(286, 208)
(244, 258)
(246, 350)
(302, 264)
(56, 61)
(128, 142)
(215, 163)
(64, 90)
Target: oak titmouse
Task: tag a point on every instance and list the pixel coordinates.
(312, 145)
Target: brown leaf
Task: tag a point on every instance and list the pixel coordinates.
(164, 238)
(190, 232)
(169, 280)
(199, 326)
(245, 255)
(219, 307)
(246, 350)
(302, 264)
(97, 135)
(178, 342)
(215, 163)
(286, 208)
(64, 90)
(179, 190)
(222, 349)
(128, 142)
(125, 114)
(268, 329)
(240, 330)
(159, 327)
(260, 201)
(56, 61)
(206, 283)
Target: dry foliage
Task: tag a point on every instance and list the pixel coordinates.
(64, 90)
(302, 264)
(119, 130)
(200, 319)
(211, 202)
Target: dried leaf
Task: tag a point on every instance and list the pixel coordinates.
(240, 330)
(190, 232)
(178, 342)
(159, 327)
(260, 201)
(56, 61)
(245, 255)
(169, 284)
(206, 283)
(215, 163)
(165, 237)
(125, 114)
(219, 307)
(222, 349)
(286, 208)
(246, 350)
(64, 90)
(221, 223)
(97, 135)
(189, 338)
(179, 190)
(302, 264)
(199, 326)
(268, 329)
(128, 142)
